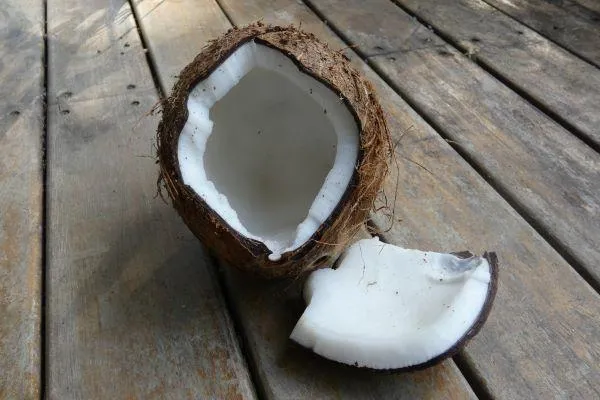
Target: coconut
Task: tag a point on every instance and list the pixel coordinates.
(273, 148)
(389, 308)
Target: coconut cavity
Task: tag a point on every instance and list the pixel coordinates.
(386, 307)
(268, 147)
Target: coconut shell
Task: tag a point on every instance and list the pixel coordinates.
(333, 70)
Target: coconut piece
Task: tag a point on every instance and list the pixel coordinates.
(273, 149)
(386, 307)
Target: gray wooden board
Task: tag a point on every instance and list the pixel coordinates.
(577, 31)
(551, 175)
(177, 31)
(541, 340)
(564, 84)
(21, 186)
(268, 310)
(134, 311)
(588, 9)
(586, 6)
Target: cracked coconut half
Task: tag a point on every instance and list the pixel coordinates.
(273, 149)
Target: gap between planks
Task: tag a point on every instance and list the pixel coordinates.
(225, 13)
(472, 376)
(149, 57)
(44, 250)
(243, 340)
(477, 167)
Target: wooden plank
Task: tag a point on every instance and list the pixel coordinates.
(269, 310)
(177, 31)
(549, 174)
(561, 83)
(589, 9)
(21, 201)
(589, 6)
(541, 338)
(134, 311)
(578, 32)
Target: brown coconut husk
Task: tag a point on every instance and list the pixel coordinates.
(333, 70)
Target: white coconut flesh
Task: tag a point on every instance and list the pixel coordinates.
(386, 307)
(268, 147)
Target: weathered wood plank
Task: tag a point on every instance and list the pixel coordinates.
(589, 9)
(541, 339)
(133, 308)
(269, 310)
(21, 188)
(578, 32)
(565, 85)
(177, 31)
(551, 175)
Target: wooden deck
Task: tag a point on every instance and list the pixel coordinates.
(104, 293)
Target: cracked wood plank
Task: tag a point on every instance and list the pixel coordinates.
(21, 198)
(134, 310)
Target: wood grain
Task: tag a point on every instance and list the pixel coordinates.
(266, 310)
(586, 6)
(588, 9)
(134, 311)
(177, 31)
(565, 85)
(574, 28)
(546, 172)
(541, 338)
(21, 188)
